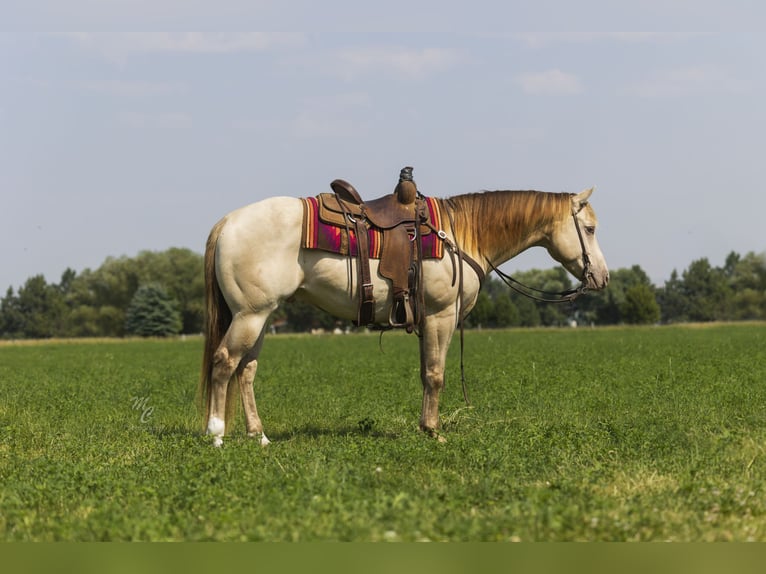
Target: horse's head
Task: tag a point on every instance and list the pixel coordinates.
(573, 243)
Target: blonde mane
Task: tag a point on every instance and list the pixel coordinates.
(490, 222)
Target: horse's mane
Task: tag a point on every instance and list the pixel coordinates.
(489, 221)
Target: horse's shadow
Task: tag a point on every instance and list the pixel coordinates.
(312, 431)
(363, 428)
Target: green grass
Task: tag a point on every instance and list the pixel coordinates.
(605, 434)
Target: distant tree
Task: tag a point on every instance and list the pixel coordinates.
(532, 313)
(706, 291)
(181, 272)
(96, 302)
(554, 280)
(11, 316)
(67, 280)
(482, 313)
(115, 282)
(35, 312)
(506, 314)
(83, 321)
(640, 305)
(608, 305)
(529, 314)
(302, 317)
(98, 299)
(672, 300)
(746, 277)
(152, 313)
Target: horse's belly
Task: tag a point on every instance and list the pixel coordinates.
(330, 283)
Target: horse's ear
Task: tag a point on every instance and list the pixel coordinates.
(579, 200)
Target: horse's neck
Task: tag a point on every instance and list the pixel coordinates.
(515, 222)
(505, 252)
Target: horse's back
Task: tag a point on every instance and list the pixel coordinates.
(280, 211)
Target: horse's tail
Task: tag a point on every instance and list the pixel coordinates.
(217, 320)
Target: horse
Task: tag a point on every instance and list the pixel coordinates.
(254, 261)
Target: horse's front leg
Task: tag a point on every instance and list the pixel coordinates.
(434, 343)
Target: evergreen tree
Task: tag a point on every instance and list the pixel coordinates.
(152, 313)
(181, 272)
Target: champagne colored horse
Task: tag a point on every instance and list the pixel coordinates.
(254, 262)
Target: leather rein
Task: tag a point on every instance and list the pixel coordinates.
(567, 296)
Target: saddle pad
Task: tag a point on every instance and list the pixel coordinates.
(337, 239)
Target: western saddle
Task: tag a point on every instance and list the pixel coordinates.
(401, 217)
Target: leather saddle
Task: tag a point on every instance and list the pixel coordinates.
(402, 218)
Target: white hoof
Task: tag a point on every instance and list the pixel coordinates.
(264, 440)
(216, 427)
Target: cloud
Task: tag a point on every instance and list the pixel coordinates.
(309, 126)
(411, 63)
(344, 115)
(538, 40)
(687, 81)
(134, 89)
(159, 120)
(550, 82)
(118, 46)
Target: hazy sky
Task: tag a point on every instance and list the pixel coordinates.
(113, 143)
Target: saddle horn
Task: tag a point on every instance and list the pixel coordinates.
(406, 190)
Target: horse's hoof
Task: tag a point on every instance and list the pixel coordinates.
(264, 441)
(217, 428)
(433, 433)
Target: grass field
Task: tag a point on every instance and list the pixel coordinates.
(602, 434)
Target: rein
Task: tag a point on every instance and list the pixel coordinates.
(567, 296)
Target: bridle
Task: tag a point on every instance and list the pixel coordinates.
(567, 296)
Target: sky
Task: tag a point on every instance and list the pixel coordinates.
(112, 143)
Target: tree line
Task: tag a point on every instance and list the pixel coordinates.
(124, 296)
(734, 292)
(162, 293)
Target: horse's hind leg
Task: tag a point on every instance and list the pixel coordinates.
(231, 358)
(223, 370)
(246, 376)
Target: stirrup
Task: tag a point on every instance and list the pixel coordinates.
(402, 307)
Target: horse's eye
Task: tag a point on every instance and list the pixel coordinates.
(590, 230)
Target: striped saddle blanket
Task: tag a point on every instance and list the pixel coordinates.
(337, 238)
